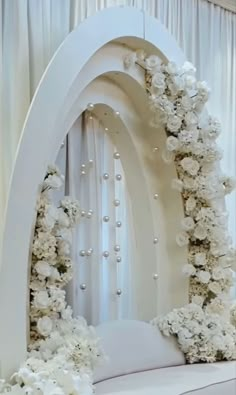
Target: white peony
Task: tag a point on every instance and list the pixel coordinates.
(190, 165)
(174, 123)
(189, 270)
(41, 300)
(188, 223)
(44, 326)
(172, 143)
(182, 239)
(43, 268)
(203, 276)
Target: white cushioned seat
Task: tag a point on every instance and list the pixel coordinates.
(199, 379)
(135, 346)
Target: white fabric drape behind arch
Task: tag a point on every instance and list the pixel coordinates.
(31, 31)
(90, 151)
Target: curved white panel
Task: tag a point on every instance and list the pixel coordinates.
(57, 103)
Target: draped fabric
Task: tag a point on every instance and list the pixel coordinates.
(31, 31)
(92, 175)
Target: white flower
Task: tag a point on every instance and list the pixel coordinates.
(215, 287)
(44, 326)
(200, 259)
(43, 268)
(188, 223)
(63, 220)
(188, 136)
(188, 68)
(130, 59)
(41, 300)
(53, 181)
(168, 156)
(197, 299)
(177, 184)
(153, 63)
(172, 143)
(203, 276)
(200, 232)
(190, 204)
(190, 81)
(182, 239)
(186, 103)
(171, 68)
(63, 247)
(189, 270)
(174, 123)
(158, 81)
(218, 273)
(191, 119)
(190, 165)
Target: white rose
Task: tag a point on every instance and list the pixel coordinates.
(67, 313)
(218, 273)
(187, 223)
(189, 270)
(41, 300)
(153, 63)
(44, 326)
(158, 81)
(174, 123)
(55, 275)
(200, 259)
(191, 119)
(197, 299)
(188, 68)
(188, 136)
(129, 60)
(200, 232)
(190, 165)
(171, 68)
(204, 277)
(182, 239)
(203, 88)
(176, 84)
(190, 204)
(190, 81)
(215, 287)
(177, 184)
(43, 268)
(63, 247)
(172, 143)
(53, 181)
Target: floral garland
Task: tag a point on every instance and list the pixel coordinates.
(63, 350)
(177, 101)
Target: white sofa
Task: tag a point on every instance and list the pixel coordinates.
(141, 361)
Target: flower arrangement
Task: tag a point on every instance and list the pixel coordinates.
(177, 103)
(63, 350)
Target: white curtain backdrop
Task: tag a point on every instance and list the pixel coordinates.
(32, 30)
(88, 154)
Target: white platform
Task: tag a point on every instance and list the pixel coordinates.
(199, 379)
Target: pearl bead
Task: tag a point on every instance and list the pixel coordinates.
(116, 155)
(83, 287)
(83, 166)
(106, 129)
(83, 172)
(105, 254)
(118, 259)
(62, 144)
(118, 224)
(89, 215)
(90, 117)
(117, 113)
(106, 218)
(116, 202)
(155, 149)
(83, 213)
(89, 252)
(91, 162)
(118, 292)
(117, 248)
(155, 240)
(155, 276)
(156, 196)
(82, 252)
(90, 107)
(118, 177)
(105, 176)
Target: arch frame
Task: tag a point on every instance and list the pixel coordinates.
(43, 131)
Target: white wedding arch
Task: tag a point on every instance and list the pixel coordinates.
(88, 67)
